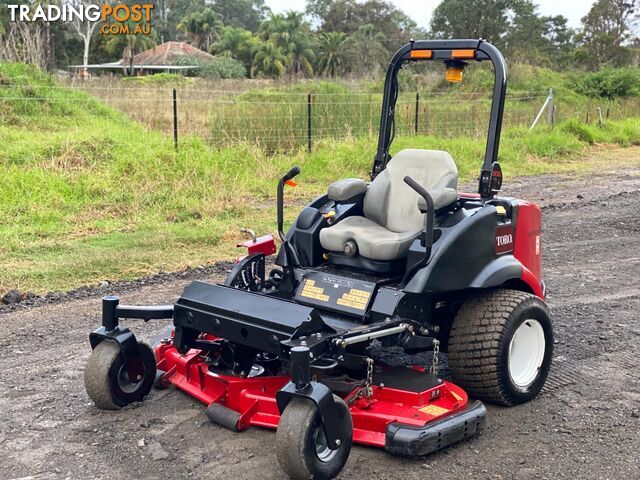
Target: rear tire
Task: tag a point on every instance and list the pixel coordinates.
(301, 445)
(501, 346)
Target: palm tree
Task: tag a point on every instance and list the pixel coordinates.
(292, 35)
(131, 45)
(268, 60)
(202, 28)
(236, 43)
(333, 54)
(367, 47)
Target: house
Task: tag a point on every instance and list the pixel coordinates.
(162, 58)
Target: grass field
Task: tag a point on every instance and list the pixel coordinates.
(276, 116)
(87, 194)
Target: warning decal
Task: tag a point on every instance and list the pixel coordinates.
(341, 294)
(309, 290)
(434, 410)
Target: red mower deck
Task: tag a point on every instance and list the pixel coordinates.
(254, 398)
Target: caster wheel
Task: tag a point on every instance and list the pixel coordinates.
(301, 444)
(160, 383)
(106, 379)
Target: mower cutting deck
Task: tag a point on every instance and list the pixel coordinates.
(400, 418)
(403, 262)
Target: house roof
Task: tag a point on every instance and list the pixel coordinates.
(167, 54)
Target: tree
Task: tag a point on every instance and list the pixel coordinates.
(606, 29)
(84, 28)
(347, 16)
(25, 42)
(291, 34)
(246, 14)
(535, 39)
(201, 28)
(268, 60)
(488, 19)
(235, 42)
(368, 53)
(130, 45)
(333, 54)
(170, 14)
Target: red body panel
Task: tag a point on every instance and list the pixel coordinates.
(528, 248)
(265, 244)
(254, 398)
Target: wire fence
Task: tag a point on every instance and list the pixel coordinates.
(285, 120)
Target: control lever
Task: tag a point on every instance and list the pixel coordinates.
(289, 281)
(280, 199)
(427, 238)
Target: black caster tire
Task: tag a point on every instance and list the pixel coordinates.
(301, 445)
(501, 347)
(106, 379)
(160, 383)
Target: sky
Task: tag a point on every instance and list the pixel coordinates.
(421, 10)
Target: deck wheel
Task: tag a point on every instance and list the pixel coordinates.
(107, 381)
(302, 448)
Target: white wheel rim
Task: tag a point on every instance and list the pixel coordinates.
(324, 453)
(526, 353)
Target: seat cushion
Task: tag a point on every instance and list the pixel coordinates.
(345, 189)
(393, 204)
(442, 197)
(373, 240)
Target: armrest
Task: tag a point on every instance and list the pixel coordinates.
(441, 198)
(346, 188)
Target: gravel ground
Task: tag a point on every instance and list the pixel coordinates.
(585, 424)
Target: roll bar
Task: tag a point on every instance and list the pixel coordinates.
(444, 50)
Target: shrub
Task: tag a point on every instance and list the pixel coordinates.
(609, 83)
(217, 67)
(583, 132)
(157, 80)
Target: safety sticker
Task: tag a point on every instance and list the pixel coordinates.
(456, 396)
(309, 290)
(434, 410)
(333, 292)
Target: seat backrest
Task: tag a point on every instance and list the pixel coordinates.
(392, 203)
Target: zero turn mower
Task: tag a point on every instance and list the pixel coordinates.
(402, 262)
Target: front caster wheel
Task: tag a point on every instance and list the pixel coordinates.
(107, 381)
(301, 444)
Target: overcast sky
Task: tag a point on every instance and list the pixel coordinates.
(421, 10)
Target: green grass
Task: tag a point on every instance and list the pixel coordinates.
(87, 195)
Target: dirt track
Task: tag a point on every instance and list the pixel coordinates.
(586, 423)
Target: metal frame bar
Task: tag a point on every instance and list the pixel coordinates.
(442, 50)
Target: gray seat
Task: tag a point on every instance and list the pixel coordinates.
(392, 219)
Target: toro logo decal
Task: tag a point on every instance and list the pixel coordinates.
(504, 239)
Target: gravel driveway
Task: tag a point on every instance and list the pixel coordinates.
(585, 424)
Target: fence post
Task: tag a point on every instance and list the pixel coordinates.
(175, 120)
(550, 108)
(309, 122)
(417, 107)
(599, 110)
(548, 101)
(608, 113)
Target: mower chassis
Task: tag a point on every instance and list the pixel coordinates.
(411, 422)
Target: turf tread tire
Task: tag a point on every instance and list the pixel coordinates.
(478, 345)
